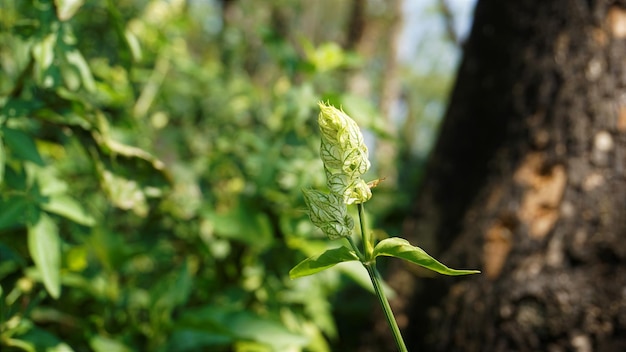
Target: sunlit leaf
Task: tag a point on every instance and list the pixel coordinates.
(253, 346)
(145, 168)
(67, 207)
(20, 344)
(133, 45)
(43, 52)
(213, 325)
(106, 344)
(222, 322)
(42, 340)
(76, 258)
(117, 148)
(47, 179)
(328, 56)
(401, 248)
(124, 193)
(75, 58)
(45, 248)
(250, 326)
(67, 8)
(322, 261)
(21, 145)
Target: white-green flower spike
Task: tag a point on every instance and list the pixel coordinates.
(343, 148)
(344, 155)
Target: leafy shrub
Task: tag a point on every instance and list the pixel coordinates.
(151, 161)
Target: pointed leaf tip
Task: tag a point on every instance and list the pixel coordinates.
(401, 248)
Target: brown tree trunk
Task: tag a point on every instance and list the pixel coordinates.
(528, 183)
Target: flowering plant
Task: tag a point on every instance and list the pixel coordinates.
(345, 159)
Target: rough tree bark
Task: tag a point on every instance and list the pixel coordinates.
(528, 183)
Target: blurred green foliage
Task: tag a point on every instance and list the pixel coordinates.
(152, 156)
(151, 159)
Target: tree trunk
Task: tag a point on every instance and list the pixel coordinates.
(528, 183)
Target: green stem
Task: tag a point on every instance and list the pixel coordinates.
(391, 320)
(368, 246)
(370, 265)
(356, 249)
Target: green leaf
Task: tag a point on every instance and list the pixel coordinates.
(16, 107)
(164, 297)
(38, 339)
(113, 147)
(43, 52)
(401, 248)
(244, 223)
(322, 261)
(124, 193)
(48, 178)
(45, 249)
(10, 261)
(183, 340)
(105, 344)
(67, 8)
(20, 344)
(75, 58)
(69, 208)
(214, 325)
(12, 211)
(133, 45)
(2, 161)
(326, 57)
(248, 326)
(22, 145)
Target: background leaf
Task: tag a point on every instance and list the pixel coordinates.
(401, 248)
(267, 331)
(196, 339)
(67, 8)
(22, 145)
(76, 59)
(105, 344)
(168, 142)
(2, 161)
(69, 208)
(12, 211)
(214, 326)
(124, 193)
(42, 340)
(45, 248)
